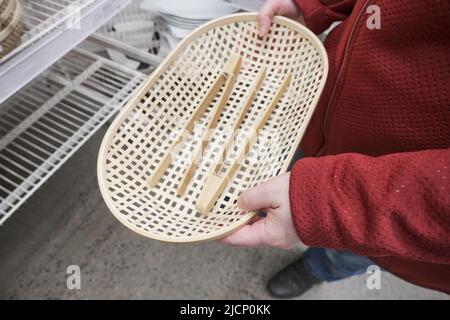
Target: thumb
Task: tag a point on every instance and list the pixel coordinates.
(250, 235)
(265, 17)
(260, 197)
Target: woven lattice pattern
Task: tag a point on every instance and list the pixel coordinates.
(10, 25)
(6, 13)
(141, 135)
(3, 5)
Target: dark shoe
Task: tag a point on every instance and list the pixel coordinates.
(292, 281)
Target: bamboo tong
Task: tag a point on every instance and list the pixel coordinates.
(227, 77)
(216, 183)
(247, 103)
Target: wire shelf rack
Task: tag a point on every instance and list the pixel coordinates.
(51, 29)
(43, 124)
(41, 17)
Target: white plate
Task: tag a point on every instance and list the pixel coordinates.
(192, 9)
(182, 25)
(178, 32)
(182, 19)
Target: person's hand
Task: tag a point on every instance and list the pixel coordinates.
(271, 8)
(277, 228)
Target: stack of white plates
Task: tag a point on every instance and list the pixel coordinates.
(179, 17)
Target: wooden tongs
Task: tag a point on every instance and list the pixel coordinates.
(247, 103)
(215, 182)
(227, 77)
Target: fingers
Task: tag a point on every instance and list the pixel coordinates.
(277, 228)
(260, 197)
(265, 16)
(250, 235)
(254, 219)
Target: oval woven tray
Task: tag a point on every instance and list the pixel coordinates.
(141, 135)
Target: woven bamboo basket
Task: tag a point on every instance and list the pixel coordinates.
(10, 25)
(3, 5)
(292, 66)
(6, 13)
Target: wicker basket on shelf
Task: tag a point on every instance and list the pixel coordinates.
(10, 25)
(3, 5)
(223, 75)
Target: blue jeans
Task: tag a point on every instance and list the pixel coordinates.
(329, 264)
(332, 265)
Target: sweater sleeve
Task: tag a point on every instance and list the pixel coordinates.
(320, 14)
(393, 205)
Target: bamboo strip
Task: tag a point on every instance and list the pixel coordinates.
(229, 71)
(215, 184)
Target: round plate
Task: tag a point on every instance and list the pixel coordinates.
(193, 9)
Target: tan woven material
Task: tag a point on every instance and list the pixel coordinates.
(10, 26)
(7, 13)
(3, 5)
(142, 133)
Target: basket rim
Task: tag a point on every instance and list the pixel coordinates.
(8, 10)
(107, 139)
(14, 22)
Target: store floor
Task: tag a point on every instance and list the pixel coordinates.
(67, 223)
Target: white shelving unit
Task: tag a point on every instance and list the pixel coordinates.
(53, 97)
(142, 41)
(51, 29)
(43, 124)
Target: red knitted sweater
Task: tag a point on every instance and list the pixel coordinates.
(381, 185)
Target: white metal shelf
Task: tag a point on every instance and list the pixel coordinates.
(43, 124)
(52, 28)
